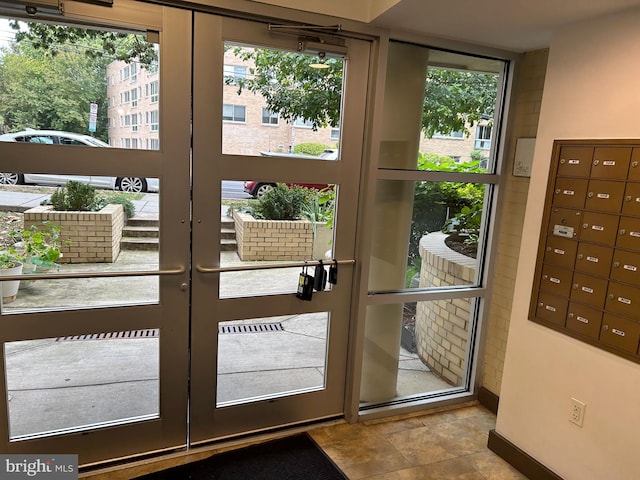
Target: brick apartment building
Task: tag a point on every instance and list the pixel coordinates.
(248, 126)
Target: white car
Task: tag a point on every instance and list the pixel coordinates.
(51, 137)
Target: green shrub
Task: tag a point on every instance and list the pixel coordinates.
(117, 199)
(74, 197)
(281, 203)
(310, 148)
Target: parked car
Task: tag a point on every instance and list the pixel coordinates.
(256, 188)
(55, 137)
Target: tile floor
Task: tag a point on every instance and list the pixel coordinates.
(449, 445)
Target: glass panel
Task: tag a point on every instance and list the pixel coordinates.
(45, 241)
(253, 234)
(424, 351)
(276, 103)
(445, 219)
(79, 383)
(271, 357)
(61, 92)
(460, 94)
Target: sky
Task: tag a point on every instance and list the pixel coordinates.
(6, 33)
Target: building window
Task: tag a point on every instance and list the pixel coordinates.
(335, 134)
(153, 68)
(300, 122)
(269, 118)
(483, 137)
(153, 144)
(154, 120)
(125, 73)
(134, 97)
(456, 134)
(234, 113)
(233, 73)
(134, 72)
(152, 90)
(134, 123)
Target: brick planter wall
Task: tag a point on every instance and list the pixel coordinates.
(272, 239)
(442, 326)
(94, 236)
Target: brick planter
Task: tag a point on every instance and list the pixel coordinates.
(272, 239)
(442, 326)
(85, 237)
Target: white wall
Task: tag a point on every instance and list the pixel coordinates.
(592, 90)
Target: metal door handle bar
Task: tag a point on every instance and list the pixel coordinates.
(64, 276)
(270, 266)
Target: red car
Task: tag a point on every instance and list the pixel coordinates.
(256, 188)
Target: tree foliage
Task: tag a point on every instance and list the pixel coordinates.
(53, 92)
(453, 99)
(293, 89)
(95, 44)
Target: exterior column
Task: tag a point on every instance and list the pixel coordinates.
(404, 96)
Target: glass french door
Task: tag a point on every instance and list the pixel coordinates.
(147, 351)
(260, 356)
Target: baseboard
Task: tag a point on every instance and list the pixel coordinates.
(518, 459)
(488, 400)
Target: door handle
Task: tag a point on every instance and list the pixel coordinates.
(270, 266)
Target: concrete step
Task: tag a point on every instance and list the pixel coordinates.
(139, 243)
(145, 232)
(227, 245)
(226, 222)
(143, 222)
(227, 234)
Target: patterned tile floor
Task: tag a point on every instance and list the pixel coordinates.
(449, 445)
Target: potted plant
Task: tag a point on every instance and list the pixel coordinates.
(38, 248)
(10, 264)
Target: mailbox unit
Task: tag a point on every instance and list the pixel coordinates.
(587, 277)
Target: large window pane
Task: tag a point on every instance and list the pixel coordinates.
(259, 82)
(79, 383)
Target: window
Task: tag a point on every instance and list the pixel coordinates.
(154, 120)
(269, 118)
(233, 73)
(134, 72)
(125, 73)
(134, 97)
(134, 123)
(300, 122)
(153, 144)
(234, 113)
(456, 134)
(335, 134)
(153, 68)
(483, 137)
(152, 90)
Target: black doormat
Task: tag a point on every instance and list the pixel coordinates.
(290, 458)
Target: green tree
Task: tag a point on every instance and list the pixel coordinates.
(38, 90)
(453, 99)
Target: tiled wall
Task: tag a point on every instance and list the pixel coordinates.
(528, 98)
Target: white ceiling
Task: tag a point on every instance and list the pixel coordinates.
(519, 25)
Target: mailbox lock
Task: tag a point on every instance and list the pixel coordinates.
(557, 191)
(616, 264)
(611, 296)
(605, 327)
(590, 194)
(634, 164)
(622, 231)
(548, 249)
(562, 161)
(628, 198)
(580, 256)
(585, 225)
(575, 285)
(545, 276)
(571, 315)
(596, 162)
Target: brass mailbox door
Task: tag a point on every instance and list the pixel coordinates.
(620, 333)
(594, 259)
(634, 168)
(584, 320)
(552, 309)
(631, 203)
(605, 195)
(623, 299)
(564, 222)
(629, 233)
(556, 280)
(626, 267)
(575, 161)
(599, 228)
(610, 162)
(589, 290)
(560, 251)
(570, 192)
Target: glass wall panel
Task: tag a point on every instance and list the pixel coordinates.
(431, 347)
(259, 82)
(271, 357)
(79, 383)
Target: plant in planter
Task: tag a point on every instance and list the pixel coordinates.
(39, 248)
(10, 264)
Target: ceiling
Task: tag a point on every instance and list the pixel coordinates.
(519, 25)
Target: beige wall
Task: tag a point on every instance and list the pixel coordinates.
(527, 98)
(591, 91)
